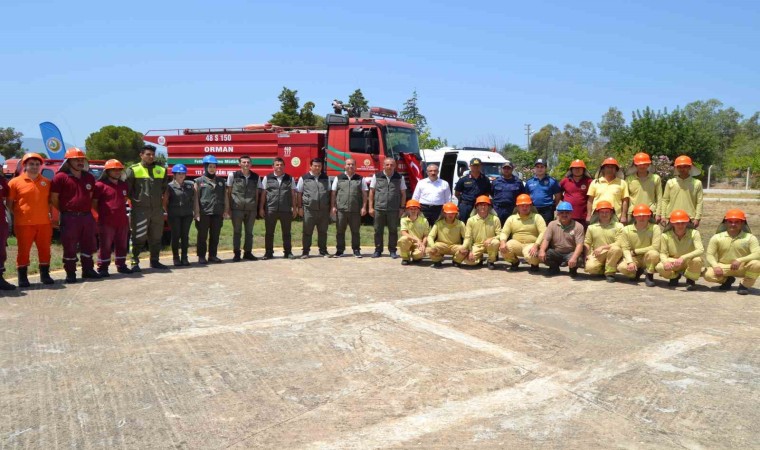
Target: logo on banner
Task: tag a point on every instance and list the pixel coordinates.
(53, 144)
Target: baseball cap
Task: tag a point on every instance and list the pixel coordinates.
(475, 162)
(540, 161)
(508, 163)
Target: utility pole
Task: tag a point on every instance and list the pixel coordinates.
(527, 133)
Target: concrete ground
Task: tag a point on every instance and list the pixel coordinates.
(347, 353)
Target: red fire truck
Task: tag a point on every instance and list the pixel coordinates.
(368, 139)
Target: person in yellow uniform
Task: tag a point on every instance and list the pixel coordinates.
(414, 233)
(446, 237)
(644, 186)
(640, 242)
(680, 251)
(521, 234)
(683, 192)
(733, 252)
(482, 234)
(609, 186)
(602, 250)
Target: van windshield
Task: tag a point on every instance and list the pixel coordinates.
(491, 170)
(401, 140)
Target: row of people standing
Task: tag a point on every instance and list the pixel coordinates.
(75, 193)
(640, 186)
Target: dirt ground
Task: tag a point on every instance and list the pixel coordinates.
(347, 353)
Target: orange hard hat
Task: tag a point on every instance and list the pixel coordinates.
(641, 210)
(74, 152)
(604, 204)
(578, 163)
(641, 158)
(114, 164)
(524, 199)
(450, 208)
(610, 162)
(735, 214)
(29, 156)
(483, 199)
(679, 216)
(683, 160)
(412, 204)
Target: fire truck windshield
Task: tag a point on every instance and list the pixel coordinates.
(402, 140)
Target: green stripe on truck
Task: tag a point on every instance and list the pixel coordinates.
(222, 161)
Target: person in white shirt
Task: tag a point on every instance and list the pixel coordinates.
(432, 192)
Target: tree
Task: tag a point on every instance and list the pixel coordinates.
(115, 142)
(428, 142)
(288, 115)
(411, 114)
(308, 118)
(10, 143)
(357, 104)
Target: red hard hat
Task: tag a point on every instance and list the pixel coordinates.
(610, 162)
(679, 216)
(641, 158)
(604, 204)
(483, 199)
(114, 164)
(523, 199)
(412, 204)
(683, 160)
(641, 210)
(735, 214)
(578, 163)
(450, 208)
(74, 152)
(29, 156)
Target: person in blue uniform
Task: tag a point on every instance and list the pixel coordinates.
(544, 190)
(505, 190)
(470, 187)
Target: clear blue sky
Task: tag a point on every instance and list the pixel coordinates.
(481, 69)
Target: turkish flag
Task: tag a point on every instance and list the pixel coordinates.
(413, 169)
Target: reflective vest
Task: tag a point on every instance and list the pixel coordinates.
(146, 190)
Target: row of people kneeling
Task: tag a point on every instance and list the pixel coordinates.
(605, 248)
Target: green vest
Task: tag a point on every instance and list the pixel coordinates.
(316, 192)
(279, 195)
(348, 195)
(146, 186)
(211, 192)
(181, 198)
(244, 194)
(387, 191)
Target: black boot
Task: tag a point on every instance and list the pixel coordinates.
(674, 281)
(236, 257)
(45, 275)
(5, 286)
(727, 284)
(71, 277)
(23, 280)
(90, 274)
(176, 261)
(103, 272)
(691, 285)
(649, 280)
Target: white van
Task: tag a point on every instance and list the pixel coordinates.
(454, 163)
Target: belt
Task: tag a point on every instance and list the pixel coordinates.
(75, 213)
(430, 206)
